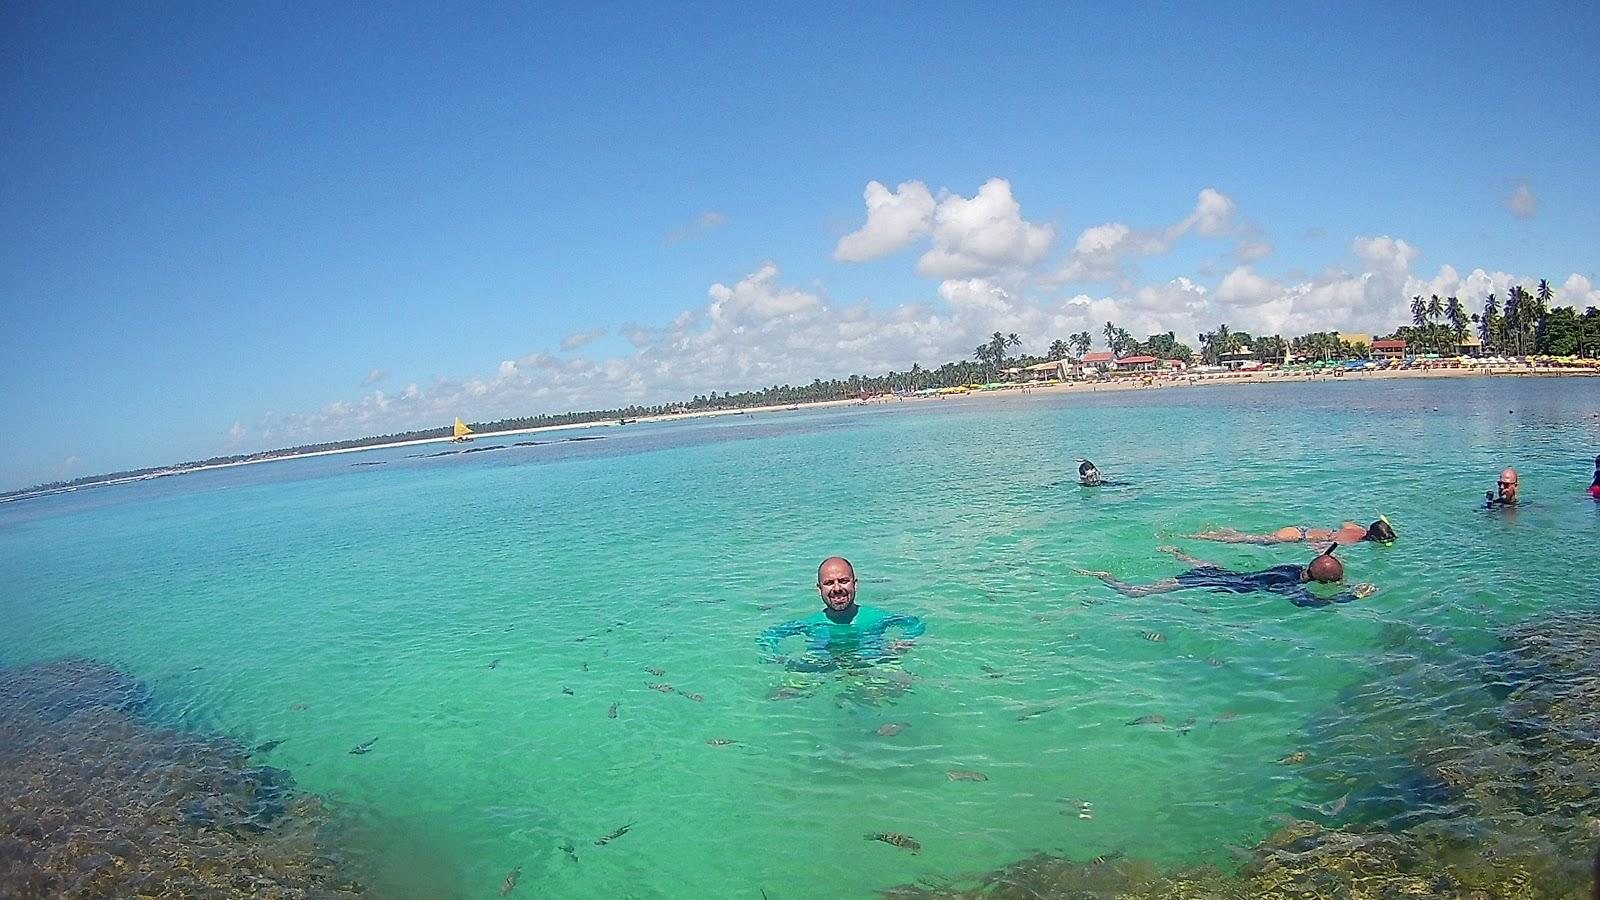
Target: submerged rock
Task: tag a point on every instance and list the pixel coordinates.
(100, 802)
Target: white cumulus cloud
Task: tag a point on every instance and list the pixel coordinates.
(983, 234)
(894, 219)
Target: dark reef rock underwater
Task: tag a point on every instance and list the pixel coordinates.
(1515, 814)
(97, 801)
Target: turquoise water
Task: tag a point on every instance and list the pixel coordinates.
(442, 604)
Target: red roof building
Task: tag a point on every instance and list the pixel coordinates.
(1389, 349)
(1098, 358)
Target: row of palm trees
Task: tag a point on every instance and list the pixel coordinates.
(1441, 325)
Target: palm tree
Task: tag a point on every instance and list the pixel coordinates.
(1419, 311)
(1457, 314)
(1488, 326)
(1059, 350)
(914, 377)
(1435, 309)
(1110, 331)
(1081, 342)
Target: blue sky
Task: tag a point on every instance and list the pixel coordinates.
(229, 228)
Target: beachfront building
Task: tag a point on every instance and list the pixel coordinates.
(1099, 362)
(1469, 346)
(1242, 358)
(1055, 369)
(1388, 350)
(1135, 364)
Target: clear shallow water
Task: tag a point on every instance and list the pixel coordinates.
(378, 596)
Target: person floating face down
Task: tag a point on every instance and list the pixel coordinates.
(1505, 493)
(1379, 532)
(1287, 581)
(1088, 475)
(844, 633)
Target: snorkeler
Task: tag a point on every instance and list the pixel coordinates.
(1088, 475)
(1594, 486)
(1349, 533)
(1286, 581)
(843, 632)
(1505, 493)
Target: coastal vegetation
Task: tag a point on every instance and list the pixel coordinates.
(1523, 323)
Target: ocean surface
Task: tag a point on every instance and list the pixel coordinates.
(480, 613)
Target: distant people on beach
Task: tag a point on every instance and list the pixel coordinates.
(1505, 493)
(1287, 581)
(843, 633)
(1380, 532)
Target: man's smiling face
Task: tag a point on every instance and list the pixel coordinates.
(836, 582)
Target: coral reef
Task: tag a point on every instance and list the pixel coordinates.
(99, 802)
(1469, 778)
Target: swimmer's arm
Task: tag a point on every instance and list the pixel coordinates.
(769, 640)
(910, 626)
(1183, 557)
(1231, 536)
(1304, 598)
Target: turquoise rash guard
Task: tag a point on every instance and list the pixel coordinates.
(861, 641)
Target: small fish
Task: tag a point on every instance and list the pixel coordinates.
(569, 848)
(1332, 810)
(655, 671)
(1214, 661)
(495, 664)
(1295, 758)
(298, 707)
(1152, 719)
(663, 688)
(510, 884)
(1104, 858)
(891, 729)
(783, 693)
(566, 690)
(1228, 716)
(1154, 636)
(723, 742)
(602, 841)
(1034, 713)
(581, 638)
(692, 696)
(584, 667)
(267, 747)
(612, 712)
(1187, 726)
(363, 748)
(993, 672)
(965, 775)
(893, 838)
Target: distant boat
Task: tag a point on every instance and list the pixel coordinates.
(463, 434)
(626, 421)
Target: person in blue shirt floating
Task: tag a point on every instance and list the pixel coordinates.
(1285, 581)
(843, 632)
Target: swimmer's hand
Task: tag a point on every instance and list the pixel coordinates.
(1363, 591)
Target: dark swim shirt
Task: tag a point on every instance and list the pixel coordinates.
(1284, 581)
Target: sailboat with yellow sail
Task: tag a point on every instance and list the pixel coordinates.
(462, 432)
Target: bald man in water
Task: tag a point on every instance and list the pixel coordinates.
(843, 632)
(1507, 490)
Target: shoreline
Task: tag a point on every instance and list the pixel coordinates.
(1126, 383)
